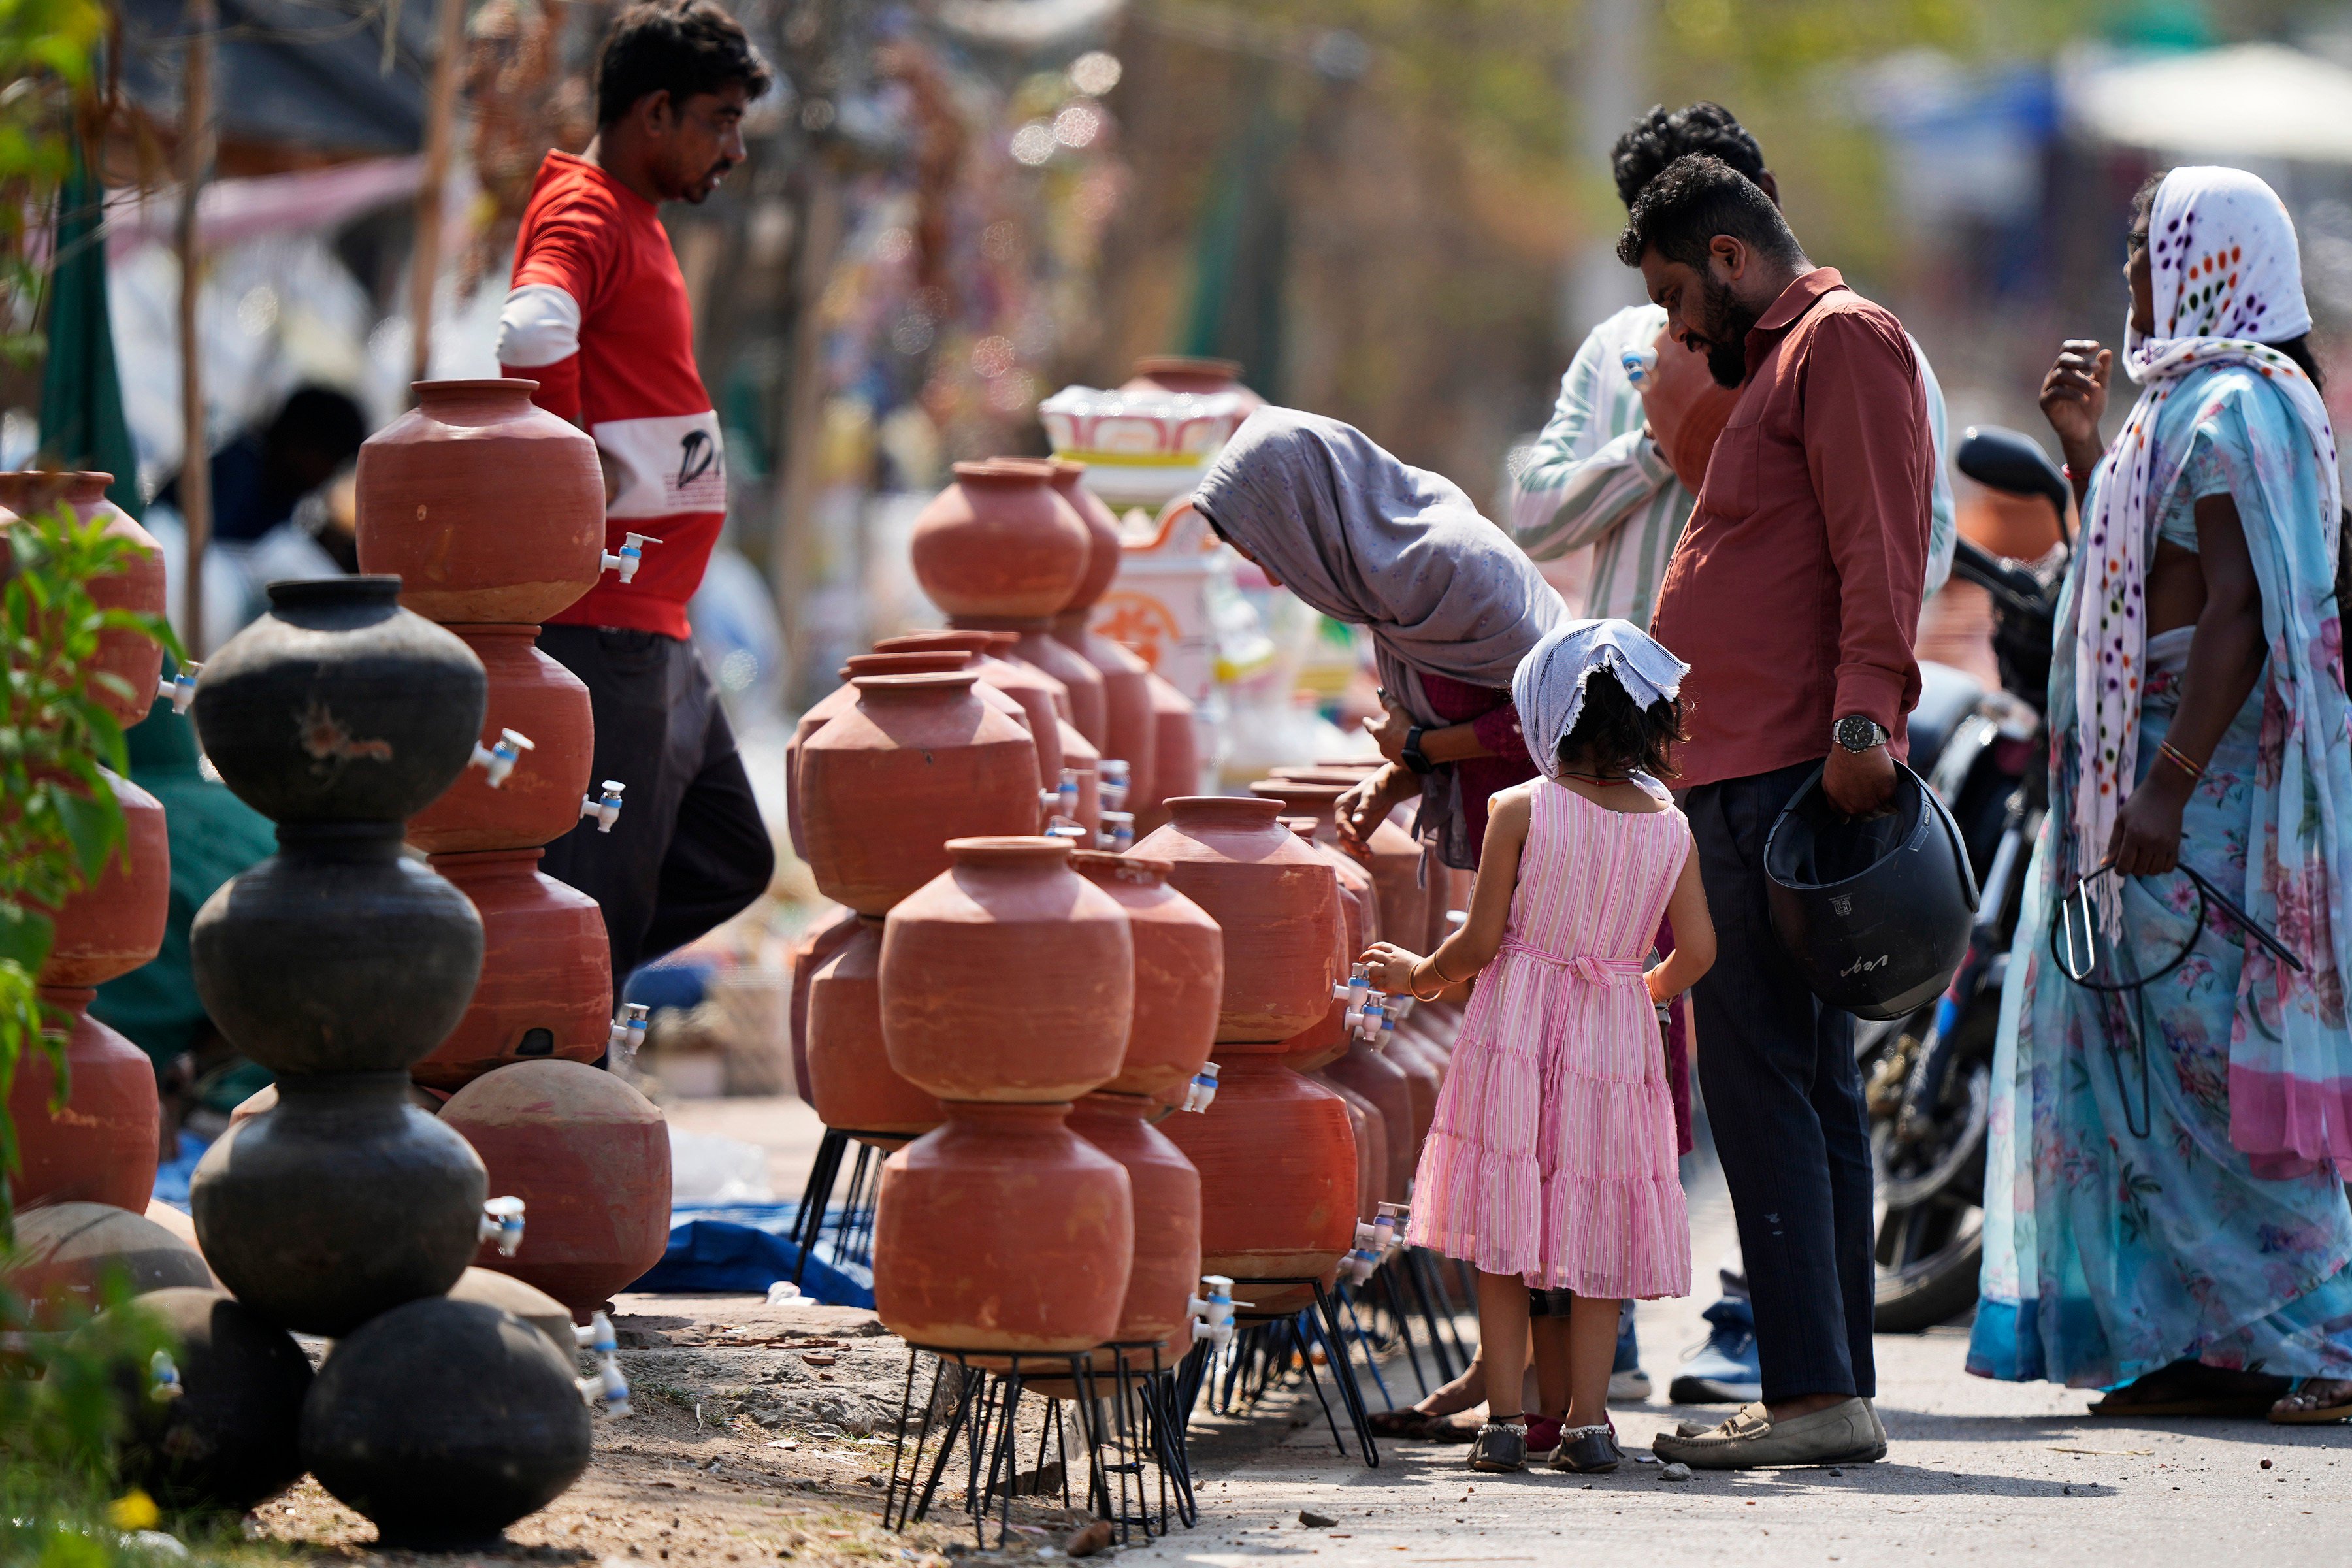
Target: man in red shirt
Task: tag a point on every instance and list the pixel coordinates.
(598, 316)
(1794, 595)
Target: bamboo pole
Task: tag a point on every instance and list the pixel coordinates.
(440, 135)
(196, 151)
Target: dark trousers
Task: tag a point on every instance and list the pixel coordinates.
(1784, 1099)
(689, 848)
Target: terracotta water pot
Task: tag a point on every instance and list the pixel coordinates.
(1325, 1041)
(1175, 755)
(539, 699)
(100, 1145)
(67, 1251)
(1080, 758)
(1362, 907)
(342, 1203)
(851, 1082)
(1045, 700)
(1369, 1129)
(337, 953)
(1274, 898)
(843, 697)
(918, 759)
(228, 1440)
(1277, 1161)
(1003, 1231)
(487, 507)
(1388, 1086)
(116, 923)
(444, 1421)
(999, 543)
(1179, 973)
(823, 936)
(1393, 857)
(137, 660)
(1034, 644)
(589, 1156)
(1008, 977)
(546, 990)
(339, 705)
(1408, 1055)
(1128, 729)
(1165, 1193)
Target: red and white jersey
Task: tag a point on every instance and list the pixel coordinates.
(598, 316)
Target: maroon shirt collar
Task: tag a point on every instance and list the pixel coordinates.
(1795, 300)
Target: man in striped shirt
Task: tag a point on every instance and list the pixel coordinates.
(1595, 478)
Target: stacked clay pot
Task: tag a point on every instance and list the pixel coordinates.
(134, 659)
(100, 1145)
(1315, 1052)
(912, 761)
(1129, 727)
(339, 964)
(1008, 991)
(1277, 1153)
(492, 509)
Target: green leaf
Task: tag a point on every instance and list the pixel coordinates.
(24, 936)
(94, 824)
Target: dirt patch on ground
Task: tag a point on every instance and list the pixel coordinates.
(760, 1435)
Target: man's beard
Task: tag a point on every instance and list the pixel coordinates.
(1727, 324)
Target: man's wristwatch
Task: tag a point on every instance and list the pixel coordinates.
(1858, 734)
(1413, 755)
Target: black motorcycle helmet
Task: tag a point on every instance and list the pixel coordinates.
(1874, 910)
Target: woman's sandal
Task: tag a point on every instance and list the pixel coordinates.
(2322, 1408)
(1408, 1425)
(2192, 1389)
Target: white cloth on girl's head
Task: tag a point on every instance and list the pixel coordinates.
(2227, 280)
(1547, 688)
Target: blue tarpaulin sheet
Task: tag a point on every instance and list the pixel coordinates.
(743, 1247)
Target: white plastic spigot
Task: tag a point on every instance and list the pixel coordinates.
(1640, 364)
(180, 687)
(164, 1384)
(605, 1390)
(1065, 794)
(1368, 1236)
(631, 555)
(1388, 1223)
(1202, 1093)
(1118, 833)
(1063, 827)
(1357, 986)
(628, 1032)
(499, 761)
(1111, 783)
(1212, 1311)
(1360, 1265)
(502, 1223)
(605, 809)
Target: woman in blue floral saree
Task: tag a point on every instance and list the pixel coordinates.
(2164, 1214)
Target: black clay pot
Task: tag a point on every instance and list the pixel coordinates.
(228, 1440)
(337, 953)
(344, 1201)
(444, 1422)
(340, 705)
(66, 1253)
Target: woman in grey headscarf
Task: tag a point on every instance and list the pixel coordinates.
(1452, 603)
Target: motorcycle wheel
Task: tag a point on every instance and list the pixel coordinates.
(1930, 1234)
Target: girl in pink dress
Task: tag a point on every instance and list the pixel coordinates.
(1550, 1168)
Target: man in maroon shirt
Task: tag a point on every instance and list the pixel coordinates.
(1793, 594)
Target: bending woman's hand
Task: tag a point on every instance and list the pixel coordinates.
(1367, 804)
(2147, 839)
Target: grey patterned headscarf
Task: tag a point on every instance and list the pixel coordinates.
(1549, 686)
(1377, 543)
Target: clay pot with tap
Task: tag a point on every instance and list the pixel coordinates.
(538, 802)
(131, 657)
(1179, 973)
(998, 542)
(1277, 1161)
(486, 506)
(1390, 855)
(100, 1145)
(1045, 700)
(918, 759)
(851, 1081)
(823, 936)
(546, 985)
(1128, 729)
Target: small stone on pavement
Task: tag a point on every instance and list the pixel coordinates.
(1315, 1521)
(1677, 1471)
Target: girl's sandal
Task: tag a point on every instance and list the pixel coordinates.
(2314, 1402)
(1501, 1448)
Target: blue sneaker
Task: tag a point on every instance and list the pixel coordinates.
(1628, 1384)
(1726, 1370)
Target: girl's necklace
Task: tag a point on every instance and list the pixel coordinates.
(1592, 778)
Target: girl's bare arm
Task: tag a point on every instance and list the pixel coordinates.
(1463, 954)
(1693, 952)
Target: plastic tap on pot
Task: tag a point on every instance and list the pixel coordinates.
(631, 557)
(1202, 1093)
(181, 688)
(605, 809)
(1118, 833)
(605, 1390)
(1390, 1222)
(1065, 796)
(1112, 774)
(1357, 986)
(163, 1378)
(628, 1032)
(502, 1223)
(499, 761)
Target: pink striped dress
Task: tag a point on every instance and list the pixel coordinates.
(1553, 1151)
